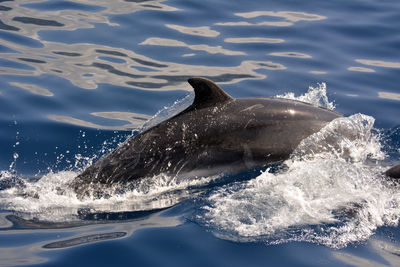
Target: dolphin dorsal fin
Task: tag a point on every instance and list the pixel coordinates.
(207, 93)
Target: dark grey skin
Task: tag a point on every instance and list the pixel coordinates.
(394, 172)
(216, 134)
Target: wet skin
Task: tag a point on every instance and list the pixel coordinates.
(216, 134)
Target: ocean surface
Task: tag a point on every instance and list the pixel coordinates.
(79, 77)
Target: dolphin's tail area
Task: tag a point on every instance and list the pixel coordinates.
(394, 172)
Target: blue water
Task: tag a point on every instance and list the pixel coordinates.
(77, 77)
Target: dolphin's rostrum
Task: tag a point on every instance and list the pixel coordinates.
(216, 134)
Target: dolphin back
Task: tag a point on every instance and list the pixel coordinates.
(216, 134)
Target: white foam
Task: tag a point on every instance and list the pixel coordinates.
(326, 201)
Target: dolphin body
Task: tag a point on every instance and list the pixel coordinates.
(216, 134)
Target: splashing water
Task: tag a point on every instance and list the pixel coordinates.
(169, 111)
(320, 201)
(350, 139)
(51, 198)
(315, 96)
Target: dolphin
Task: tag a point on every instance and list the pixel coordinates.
(215, 134)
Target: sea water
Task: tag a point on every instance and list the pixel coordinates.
(77, 78)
